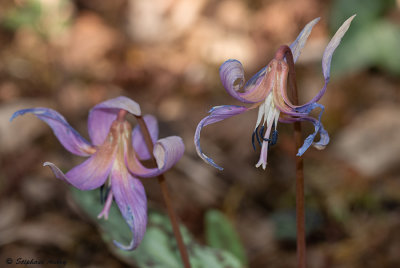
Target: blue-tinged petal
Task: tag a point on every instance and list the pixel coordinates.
(167, 152)
(319, 128)
(139, 145)
(217, 113)
(324, 137)
(103, 114)
(68, 137)
(131, 199)
(92, 173)
(301, 39)
(255, 90)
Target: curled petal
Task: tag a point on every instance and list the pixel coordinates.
(217, 113)
(167, 152)
(92, 173)
(232, 77)
(68, 137)
(137, 138)
(301, 39)
(103, 114)
(319, 128)
(255, 90)
(324, 137)
(131, 199)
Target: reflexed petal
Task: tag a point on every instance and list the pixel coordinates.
(131, 199)
(255, 90)
(68, 137)
(301, 39)
(137, 138)
(167, 152)
(103, 114)
(327, 58)
(333, 44)
(92, 173)
(217, 113)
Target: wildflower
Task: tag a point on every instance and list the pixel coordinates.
(267, 91)
(114, 154)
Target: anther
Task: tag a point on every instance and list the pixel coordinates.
(258, 137)
(252, 139)
(103, 195)
(274, 137)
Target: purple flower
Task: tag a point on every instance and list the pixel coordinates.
(114, 157)
(267, 91)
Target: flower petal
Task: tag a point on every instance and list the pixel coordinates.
(331, 47)
(68, 137)
(137, 138)
(92, 173)
(255, 90)
(324, 137)
(217, 113)
(327, 58)
(131, 199)
(103, 114)
(319, 128)
(301, 39)
(167, 152)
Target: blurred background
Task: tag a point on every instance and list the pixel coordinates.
(165, 54)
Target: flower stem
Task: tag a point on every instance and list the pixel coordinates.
(300, 209)
(166, 196)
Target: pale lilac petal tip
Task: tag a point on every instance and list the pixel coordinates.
(167, 152)
(137, 138)
(131, 199)
(217, 113)
(326, 61)
(103, 114)
(301, 39)
(333, 44)
(68, 137)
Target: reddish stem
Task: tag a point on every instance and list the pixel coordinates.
(285, 51)
(166, 196)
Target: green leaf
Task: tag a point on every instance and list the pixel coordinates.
(376, 44)
(285, 223)
(158, 248)
(25, 15)
(221, 234)
(372, 41)
(367, 11)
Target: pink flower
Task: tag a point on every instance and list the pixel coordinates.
(267, 91)
(114, 155)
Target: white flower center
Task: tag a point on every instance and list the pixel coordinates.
(269, 112)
